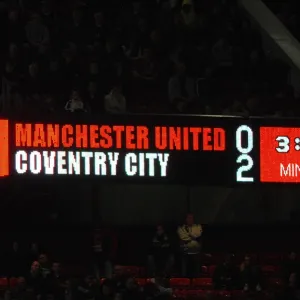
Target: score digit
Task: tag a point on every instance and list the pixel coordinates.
(244, 151)
(283, 144)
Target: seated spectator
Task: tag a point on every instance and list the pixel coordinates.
(95, 97)
(132, 291)
(33, 253)
(76, 104)
(88, 289)
(292, 291)
(250, 275)
(34, 278)
(36, 32)
(115, 101)
(290, 266)
(225, 275)
(222, 52)
(160, 260)
(182, 89)
(189, 235)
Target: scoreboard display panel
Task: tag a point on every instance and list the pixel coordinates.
(183, 149)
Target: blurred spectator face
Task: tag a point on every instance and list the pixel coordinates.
(189, 219)
(99, 18)
(187, 8)
(13, 16)
(35, 266)
(43, 259)
(89, 280)
(21, 282)
(56, 267)
(160, 230)
(34, 247)
(131, 284)
(15, 246)
(247, 260)
(13, 50)
(94, 68)
(117, 90)
(75, 96)
(77, 16)
(293, 256)
(33, 70)
(92, 88)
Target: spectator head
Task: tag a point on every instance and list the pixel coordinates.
(56, 267)
(33, 69)
(131, 284)
(117, 88)
(99, 18)
(34, 247)
(107, 288)
(13, 51)
(21, 282)
(247, 260)
(292, 255)
(187, 6)
(77, 16)
(89, 280)
(13, 15)
(228, 259)
(35, 266)
(92, 87)
(94, 68)
(190, 219)
(75, 96)
(43, 259)
(160, 230)
(15, 246)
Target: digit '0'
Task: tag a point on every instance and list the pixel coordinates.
(247, 130)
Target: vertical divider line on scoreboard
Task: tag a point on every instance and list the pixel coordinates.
(4, 148)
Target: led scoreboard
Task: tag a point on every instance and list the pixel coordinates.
(153, 148)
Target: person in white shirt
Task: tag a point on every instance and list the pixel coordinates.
(75, 104)
(115, 101)
(189, 235)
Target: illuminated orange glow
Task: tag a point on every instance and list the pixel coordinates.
(119, 137)
(190, 138)
(4, 149)
(81, 136)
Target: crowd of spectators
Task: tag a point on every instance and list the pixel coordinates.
(142, 56)
(34, 274)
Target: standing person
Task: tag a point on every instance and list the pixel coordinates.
(160, 259)
(189, 235)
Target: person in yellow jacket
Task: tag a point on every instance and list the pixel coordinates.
(189, 235)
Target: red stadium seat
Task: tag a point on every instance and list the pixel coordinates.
(211, 270)
(270, 258)
(268, 269)
(196, 294)
(237, 294)
(180, 293)
(180, 282)
(141, 281)
(224, 294)
(3, 283)
(274, 282)
(13, 281)
(130, 270)
(202, 282)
